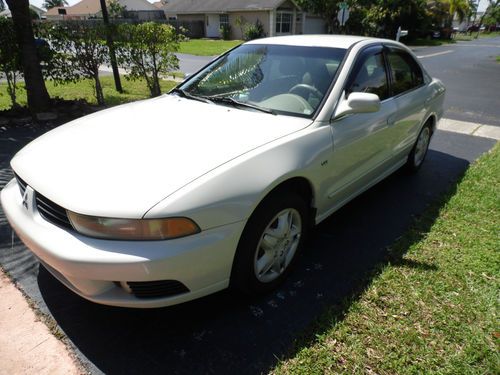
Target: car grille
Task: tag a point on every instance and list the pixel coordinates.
(49, 210)
(52, 212)
(157, 289)
(21, 184)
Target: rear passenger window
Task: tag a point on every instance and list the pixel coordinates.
(406, 74)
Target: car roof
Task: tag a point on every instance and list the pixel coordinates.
(323, 40)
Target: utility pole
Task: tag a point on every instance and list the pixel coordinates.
(111, 46)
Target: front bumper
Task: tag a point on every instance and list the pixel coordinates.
(98, 270)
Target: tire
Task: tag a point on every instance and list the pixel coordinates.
(270, 243)
(419, 150)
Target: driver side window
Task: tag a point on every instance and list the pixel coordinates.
(371, 77)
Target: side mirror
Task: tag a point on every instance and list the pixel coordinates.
(357, 102)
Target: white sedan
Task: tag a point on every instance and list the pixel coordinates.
(217, 183)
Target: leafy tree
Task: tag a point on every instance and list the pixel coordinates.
(10, 62)
(47, 4)
(330, 8)
(492, 14)
(456, 8)
(326, 8)
(473, 4)
(2, 6)
(38, 97)
(79, 50)
(146, 50)
(385, 17)
(115, 9)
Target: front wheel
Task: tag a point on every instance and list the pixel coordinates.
(270, 243)
(419, 150)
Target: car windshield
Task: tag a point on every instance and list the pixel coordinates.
(283, 79)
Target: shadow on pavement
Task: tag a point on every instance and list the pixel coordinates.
(227, 333)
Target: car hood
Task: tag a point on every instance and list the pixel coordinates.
(122, 161)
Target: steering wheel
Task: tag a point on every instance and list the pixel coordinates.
(304, 90)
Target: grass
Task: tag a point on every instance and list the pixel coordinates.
(432, 308)
(493, 34)
(498, 59)
(133, 90)
(207, 47)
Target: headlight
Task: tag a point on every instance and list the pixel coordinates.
(133, 229)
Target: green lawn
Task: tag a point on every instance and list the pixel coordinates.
(493, 34)
(432, 308)
(208, 47)
(133, 90)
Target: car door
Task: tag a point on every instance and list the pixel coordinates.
(410, 93)
(362, 142)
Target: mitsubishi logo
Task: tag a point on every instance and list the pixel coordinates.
(25, 198)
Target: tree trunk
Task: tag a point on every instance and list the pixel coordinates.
(11, 86)
(98, 90)
(38, 97)
(155, 90)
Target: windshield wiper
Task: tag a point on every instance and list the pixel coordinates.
(188, 95)
(228, 100)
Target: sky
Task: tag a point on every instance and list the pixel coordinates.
(482, 4)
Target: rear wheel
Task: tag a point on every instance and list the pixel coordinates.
(270, 243)
(419, 150)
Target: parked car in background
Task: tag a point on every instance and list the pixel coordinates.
(218, 183)
(473, 28)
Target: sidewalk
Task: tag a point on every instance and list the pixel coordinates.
(26, 344)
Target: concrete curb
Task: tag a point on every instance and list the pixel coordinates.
(470, 128)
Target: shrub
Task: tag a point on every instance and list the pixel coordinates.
(10, 58)
(79, 49)
(254, 31)
(146, 50)
(225, 31)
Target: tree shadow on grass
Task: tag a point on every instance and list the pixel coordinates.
(227, 333)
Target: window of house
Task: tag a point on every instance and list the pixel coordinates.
(223, 20)
(283, 23)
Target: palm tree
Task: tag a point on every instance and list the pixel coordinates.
(458, 8)
(47, 4)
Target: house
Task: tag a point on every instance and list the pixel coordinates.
(88, 9)
(159, 4)
(34, 10)
(278, 17)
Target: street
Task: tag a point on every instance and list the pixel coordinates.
(472, 78)
(228, 333)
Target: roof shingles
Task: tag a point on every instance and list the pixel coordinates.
(209, 6)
